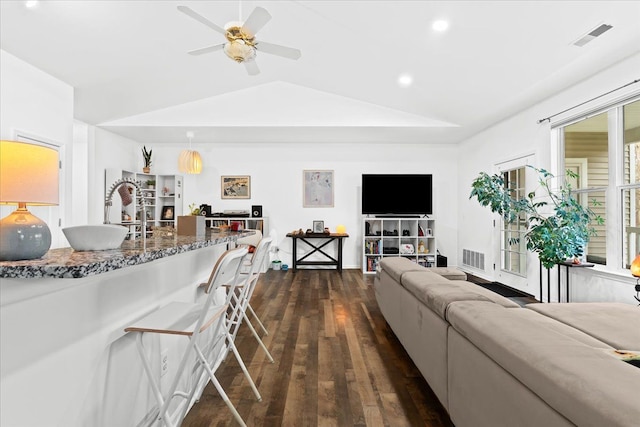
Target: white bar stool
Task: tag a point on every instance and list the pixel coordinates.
(249, 275)
(192, 320)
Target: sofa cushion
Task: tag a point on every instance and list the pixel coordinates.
(578, 380)
(397, 266)
(449, 273)
(617, 324)
(437, 293)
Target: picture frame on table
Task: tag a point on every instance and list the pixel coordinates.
(318, 227)
(235, 187)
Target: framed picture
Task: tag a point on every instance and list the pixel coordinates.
(318, 227)
(317, 186)
(236, 187)
(167, 213)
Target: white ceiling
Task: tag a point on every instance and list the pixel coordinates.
(127, 61)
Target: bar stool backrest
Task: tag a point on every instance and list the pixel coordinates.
(259, 255)
(226, 268)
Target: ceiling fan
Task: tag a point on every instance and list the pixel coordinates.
(241, 45)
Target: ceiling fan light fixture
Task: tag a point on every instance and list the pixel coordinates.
(239, 51)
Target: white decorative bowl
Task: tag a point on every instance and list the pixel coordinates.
(95, 237)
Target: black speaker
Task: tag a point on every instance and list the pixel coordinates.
(256, 211)
(205, 210)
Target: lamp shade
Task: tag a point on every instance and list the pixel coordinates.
(28, 174)
(190, 162)
(635, 267)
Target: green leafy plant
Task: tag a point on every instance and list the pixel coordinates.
(146, 155)
(194, 209)
(555, 236)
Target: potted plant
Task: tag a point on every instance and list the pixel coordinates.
(146, 156)
(151, 184)
(556, 236)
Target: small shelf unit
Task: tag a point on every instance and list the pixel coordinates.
(411, 238)
(162, 194)
(253, 223)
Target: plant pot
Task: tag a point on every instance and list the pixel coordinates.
(191, 225)
(146, 170)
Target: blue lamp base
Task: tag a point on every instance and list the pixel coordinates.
(23, 236)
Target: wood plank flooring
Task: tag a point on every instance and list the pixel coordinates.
(337, 362)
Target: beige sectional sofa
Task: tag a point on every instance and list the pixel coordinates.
(491, 362)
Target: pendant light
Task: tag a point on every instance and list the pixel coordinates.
(190, 161)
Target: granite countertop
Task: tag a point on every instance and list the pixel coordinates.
(67, 263)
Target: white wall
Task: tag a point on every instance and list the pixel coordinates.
(276, 183)
(40, 106)
(521, 135)
(107, 150)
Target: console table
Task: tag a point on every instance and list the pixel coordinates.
(568, 265)
(316, 243)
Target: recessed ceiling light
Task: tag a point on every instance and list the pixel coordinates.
(440, 25)
(31, 4)
(405, 80)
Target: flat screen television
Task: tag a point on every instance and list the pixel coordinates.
(397, 194)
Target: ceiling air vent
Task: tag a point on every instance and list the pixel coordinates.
(596, 32)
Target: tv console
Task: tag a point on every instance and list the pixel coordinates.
(409, 237)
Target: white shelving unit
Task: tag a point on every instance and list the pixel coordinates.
(254, 223)
(412, 238)
(162, 194)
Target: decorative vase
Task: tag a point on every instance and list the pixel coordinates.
(146, 170)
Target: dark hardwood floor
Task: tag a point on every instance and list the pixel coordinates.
(337, 362)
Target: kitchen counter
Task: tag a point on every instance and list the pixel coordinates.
(67, 263)
(62, 322)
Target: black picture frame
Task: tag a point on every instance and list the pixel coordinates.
(318, 227)
(168, 213)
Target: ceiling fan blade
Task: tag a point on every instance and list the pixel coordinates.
(258, 18)
(276, 49)
(195, 15)
(207, 49)
(251, 67)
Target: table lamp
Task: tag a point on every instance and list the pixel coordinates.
(635, 272)
(28, 175)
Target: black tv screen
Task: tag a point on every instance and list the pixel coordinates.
(397, 194)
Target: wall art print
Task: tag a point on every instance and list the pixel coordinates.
(236, 187)
(317, 188)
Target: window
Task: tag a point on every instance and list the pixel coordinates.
(513, 249)
(604, 150)
(631, 182)
(586, 152)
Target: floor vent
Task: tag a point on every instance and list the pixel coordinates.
(473, 259)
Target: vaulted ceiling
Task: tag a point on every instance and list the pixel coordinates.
(128, 63)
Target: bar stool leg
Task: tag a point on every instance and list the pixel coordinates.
(257, 337)
(253, 313)
(244, 368)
